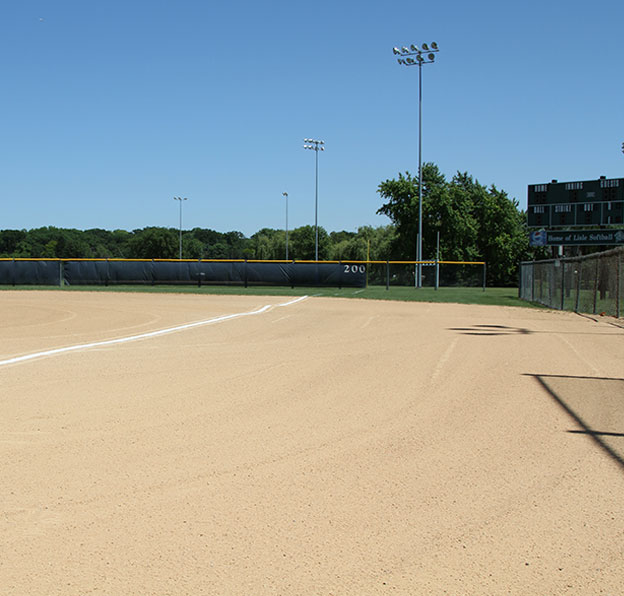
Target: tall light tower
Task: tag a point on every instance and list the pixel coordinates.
(180, 199)
(315, 146)
(285, 194)
(410, 57)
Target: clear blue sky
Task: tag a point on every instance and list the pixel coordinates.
(110, 109)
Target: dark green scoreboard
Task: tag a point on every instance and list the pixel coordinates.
(568, 204)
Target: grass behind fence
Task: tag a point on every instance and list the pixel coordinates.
(491, 296)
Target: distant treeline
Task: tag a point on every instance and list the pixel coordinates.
(198, 243)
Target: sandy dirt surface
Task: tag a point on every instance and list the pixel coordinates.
(327, 447)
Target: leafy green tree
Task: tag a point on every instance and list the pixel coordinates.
(336, 237)
(72, 244)
(349, 249)
(473, 222)
(218, 250)
(502, 237)
(51, 242)
(120, 244)
(238, 245)
(217, 245)
(267, 243)
(191, 247)
(379, 241)
(302, 243)
(449, 214)
(105, 244)
(154, 243)
(262, 246)
(9, 242)
(402, 206)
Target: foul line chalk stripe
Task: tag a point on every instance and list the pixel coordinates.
(149, 334)
(292, 301)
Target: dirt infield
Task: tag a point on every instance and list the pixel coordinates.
(326, 447)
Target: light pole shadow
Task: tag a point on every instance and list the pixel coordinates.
(596, 404)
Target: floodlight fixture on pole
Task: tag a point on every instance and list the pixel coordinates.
(180, 199)
(315, 146)
(285, 194)
(412, 56)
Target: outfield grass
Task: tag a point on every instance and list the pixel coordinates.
(492, 296)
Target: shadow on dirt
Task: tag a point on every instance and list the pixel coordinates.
(492, 330)
(596, 404)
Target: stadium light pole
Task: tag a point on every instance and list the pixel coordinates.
(413, 56)
(315, 146)
(285, 194)
(180, 199)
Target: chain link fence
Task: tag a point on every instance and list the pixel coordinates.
(434, 274)
(591, 284)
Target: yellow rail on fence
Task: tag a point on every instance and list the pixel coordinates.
(60, 260)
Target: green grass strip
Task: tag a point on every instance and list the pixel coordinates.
(491, 296)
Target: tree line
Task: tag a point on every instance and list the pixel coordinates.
(198, 243)
(468, 221)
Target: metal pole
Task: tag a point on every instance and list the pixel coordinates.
(180, 199)
(316, 146)
(286, 195)
(617, 278)
(316, 212)
(424, 55)
(562, 284)
(596, 284)
(419, 247)
(367, 260)
(437, 278)
(180, 230)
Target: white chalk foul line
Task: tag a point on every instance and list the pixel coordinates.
(149, 334)
(292, 301)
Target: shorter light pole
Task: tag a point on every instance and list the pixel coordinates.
(180, 199)
(285, 194)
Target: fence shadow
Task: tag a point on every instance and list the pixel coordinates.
(596, 404)
(506, 330)
(492, 330)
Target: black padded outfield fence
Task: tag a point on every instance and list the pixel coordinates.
(59, 272)
(354, 274)
(44, 272)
